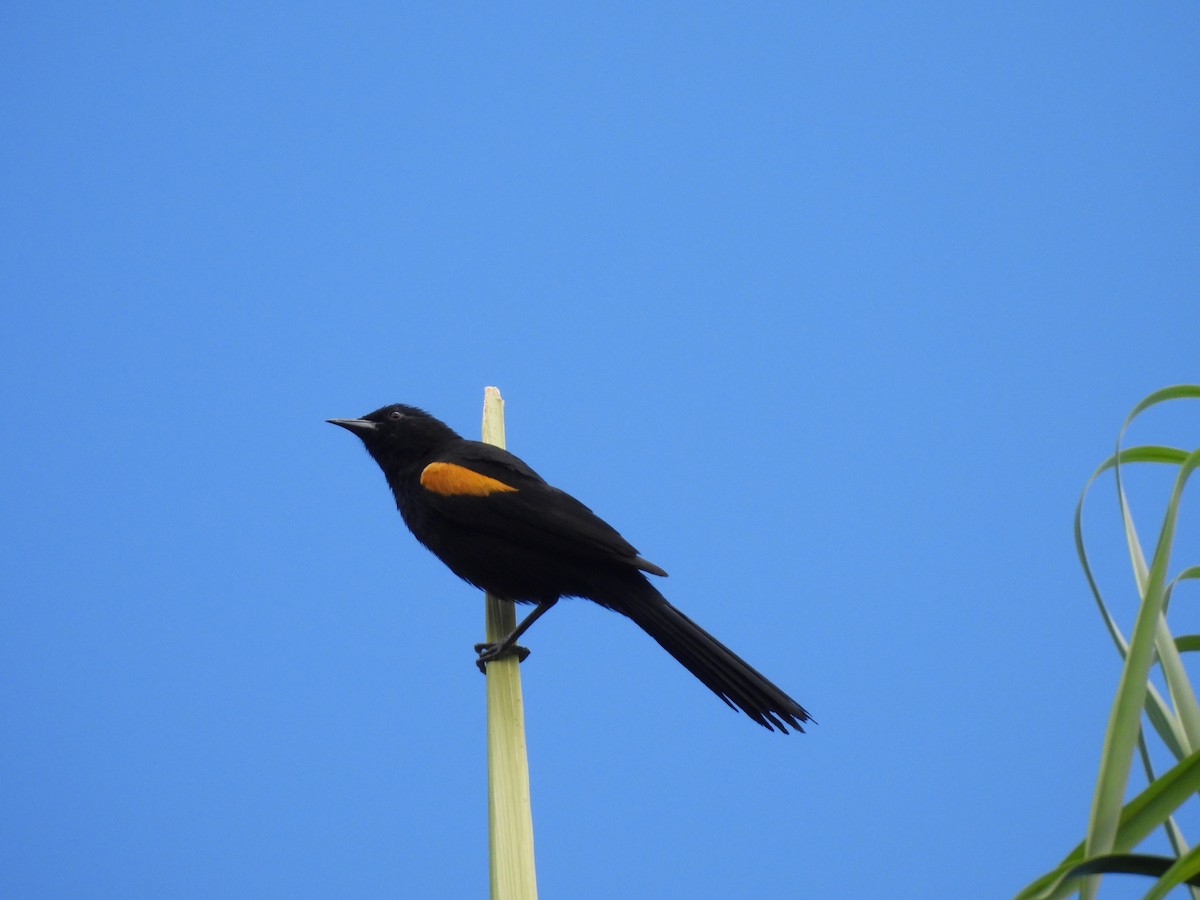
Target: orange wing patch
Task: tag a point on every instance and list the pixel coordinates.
(449, 479)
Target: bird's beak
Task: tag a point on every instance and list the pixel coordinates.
(361, 427)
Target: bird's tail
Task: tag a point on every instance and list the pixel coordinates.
(724, 672)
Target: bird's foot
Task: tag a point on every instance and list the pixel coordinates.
(489, 652)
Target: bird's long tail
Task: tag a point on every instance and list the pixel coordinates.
(724, 672)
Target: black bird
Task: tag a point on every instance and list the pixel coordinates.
(498, 525)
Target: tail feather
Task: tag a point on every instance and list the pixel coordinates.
(720, 669)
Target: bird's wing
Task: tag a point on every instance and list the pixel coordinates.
(490, 490)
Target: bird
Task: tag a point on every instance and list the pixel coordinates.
(498, 525)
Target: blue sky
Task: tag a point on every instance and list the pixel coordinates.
(830, 310)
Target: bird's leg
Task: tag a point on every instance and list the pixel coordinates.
(509, 646)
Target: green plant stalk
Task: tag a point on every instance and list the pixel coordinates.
(510, 816)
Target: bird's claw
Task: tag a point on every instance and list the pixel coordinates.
(488, 652)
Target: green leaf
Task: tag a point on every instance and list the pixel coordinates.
(1114, 829)
(1140, 816)
(1124, 722)
(1185, 870)
(1128, 864)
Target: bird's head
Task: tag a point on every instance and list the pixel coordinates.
(398, 434)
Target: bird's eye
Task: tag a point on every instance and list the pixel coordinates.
(395, 415)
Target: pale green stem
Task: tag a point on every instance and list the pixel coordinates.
(510, 815)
